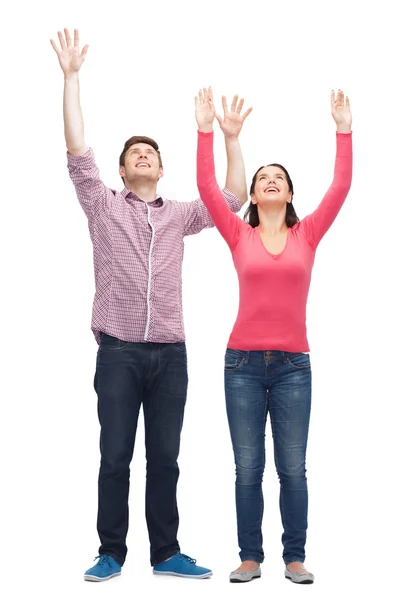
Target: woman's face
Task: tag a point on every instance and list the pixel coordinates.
(271, 186)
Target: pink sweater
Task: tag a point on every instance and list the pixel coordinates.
(273, 288)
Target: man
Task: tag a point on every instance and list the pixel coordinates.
(138, 243)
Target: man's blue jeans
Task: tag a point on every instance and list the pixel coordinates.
(278, 383)
(129, 375)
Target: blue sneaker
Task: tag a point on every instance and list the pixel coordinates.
(181, 565)
(106, 568)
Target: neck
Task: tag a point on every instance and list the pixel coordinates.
(145, 190)
(272, 220)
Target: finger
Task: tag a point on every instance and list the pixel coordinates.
(240, 105)
(247, 112)
(53, 43)
(62, 41)
(68, 37)
(76, 37)
(225, 106)
(200, 96)
(347, 103)
(205, 93)
(210, 94)
(234, 103)
(219, 119)
(332, 98)
(84, 51)
(340, 98)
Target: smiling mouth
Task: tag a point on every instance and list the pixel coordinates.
(271, 189)
(143, 165)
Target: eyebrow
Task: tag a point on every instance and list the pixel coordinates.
(275, 174)
(138, 149)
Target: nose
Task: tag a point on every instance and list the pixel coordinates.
(143, 155)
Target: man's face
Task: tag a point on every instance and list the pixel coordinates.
(141, 163)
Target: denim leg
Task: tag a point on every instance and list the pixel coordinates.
(118, 384)
(164, 401)
(246, 403)
(289, 406)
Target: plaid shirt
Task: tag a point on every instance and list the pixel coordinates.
(138, 253)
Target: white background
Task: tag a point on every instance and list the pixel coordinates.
(145, 64)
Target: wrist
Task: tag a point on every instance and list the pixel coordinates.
(72, 76)
(231, 139)
(205, 128)
(343, 129)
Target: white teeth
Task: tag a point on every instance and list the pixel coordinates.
(142, 165)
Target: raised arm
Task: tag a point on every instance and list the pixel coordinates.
(93, 195)
(231, 124)
(228, 224)
(318, 223)
(71, 60)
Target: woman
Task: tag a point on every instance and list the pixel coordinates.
(267, 365)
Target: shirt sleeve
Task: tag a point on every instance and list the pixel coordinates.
(196, 216)
(93, 195)
(227, 223)
(317, 223)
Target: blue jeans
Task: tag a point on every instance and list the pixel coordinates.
(130, 375)
(278, 383)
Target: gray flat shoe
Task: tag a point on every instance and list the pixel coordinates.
(236, 577)
(299, 577)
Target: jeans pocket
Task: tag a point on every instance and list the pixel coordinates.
(234, 359)
(108, 342)
(299, 360)
(180, 347)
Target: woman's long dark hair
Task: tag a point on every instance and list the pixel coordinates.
(251, 214)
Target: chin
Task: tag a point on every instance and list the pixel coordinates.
(144, 175)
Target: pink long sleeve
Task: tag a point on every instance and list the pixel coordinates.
(317, 223)
(227, 223)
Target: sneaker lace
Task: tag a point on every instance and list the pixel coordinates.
(103, 559)
(188, 559)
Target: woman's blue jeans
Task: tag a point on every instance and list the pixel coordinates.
(277, 383)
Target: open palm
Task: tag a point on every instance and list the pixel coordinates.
(232, 122)
(69, 56)
(205, 109)
(341, 110)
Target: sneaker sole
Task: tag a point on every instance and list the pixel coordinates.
(94, 578)
(204, 576)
